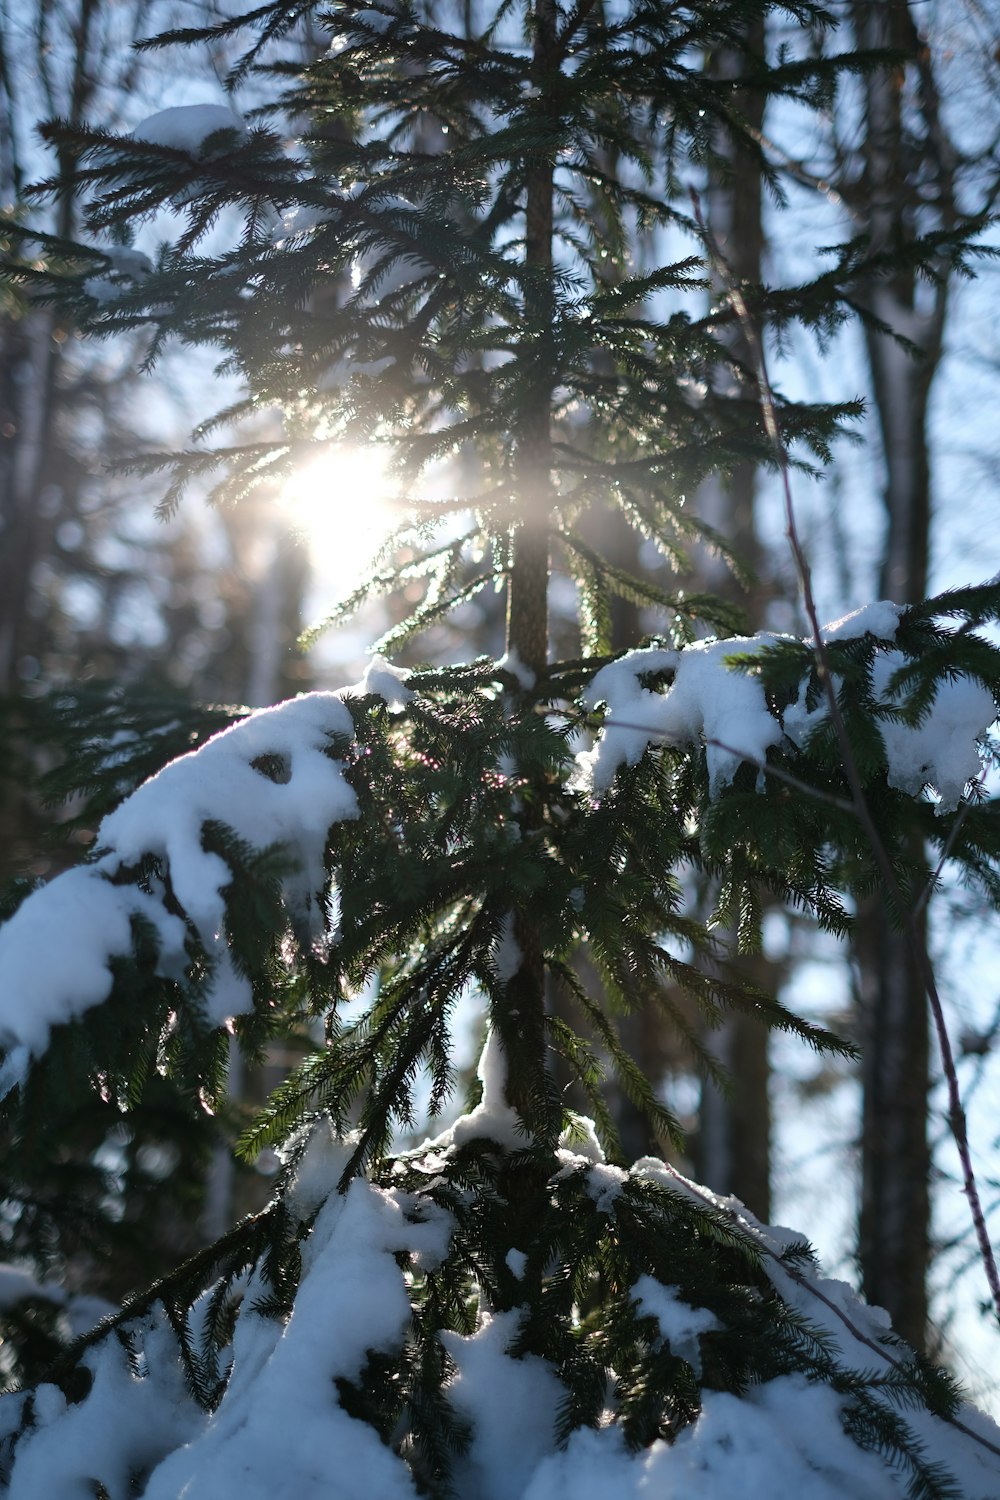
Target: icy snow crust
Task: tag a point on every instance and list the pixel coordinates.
(279, 1432)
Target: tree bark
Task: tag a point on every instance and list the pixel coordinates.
(906, 162)
(523, 1021)
(733, 1144)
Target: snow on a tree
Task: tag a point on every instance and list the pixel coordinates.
(706, 700)
(125, 1425)
(125, 265)
(512, 1406)
(281, 1429)
(507, 956)
(779, 1439)
(387, 682)
(56, 953)
(185, 127)
(270, 779)
(879, 619)
(679, 1323)
(941, 751)
(726, 707)
(493, 1118)
(580, 1149)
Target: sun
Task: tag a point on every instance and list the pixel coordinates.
(342, 506)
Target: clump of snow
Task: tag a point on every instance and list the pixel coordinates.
(296, 223)
(279, 1428)
(126, 1424)
(879, 619)
(680, 1324)
(228, 780)
(580, 1139)
(124, 264)
(492, 1119)
(516, 1261)
(604, 1183)
(779, 1439)
(725, 708)
(942, 751)
(512, 1405)
(56, 953)
(708, 700)
(281, 1431)
(386, 682)
(319, 1166)
(630, 718)
(512, 663)
(269, 778)
(128, 262)
(580, 1150)
(185, 127)
(832, 1304)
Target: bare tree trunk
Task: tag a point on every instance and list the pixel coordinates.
(733, 1143)
(907, 163)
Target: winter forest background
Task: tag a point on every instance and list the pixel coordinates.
(118, 624)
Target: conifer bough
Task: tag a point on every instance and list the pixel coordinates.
(461, 254)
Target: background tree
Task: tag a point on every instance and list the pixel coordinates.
(902, 173)
(907, 185)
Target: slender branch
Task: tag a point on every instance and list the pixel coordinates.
(905, 910)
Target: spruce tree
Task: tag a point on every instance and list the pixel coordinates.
(446, 262)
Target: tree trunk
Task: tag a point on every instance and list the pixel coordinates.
(903, 138)
(523, 1021)
(733, 1144)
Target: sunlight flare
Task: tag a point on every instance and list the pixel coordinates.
(341, 503)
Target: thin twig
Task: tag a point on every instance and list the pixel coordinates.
(915, 937)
